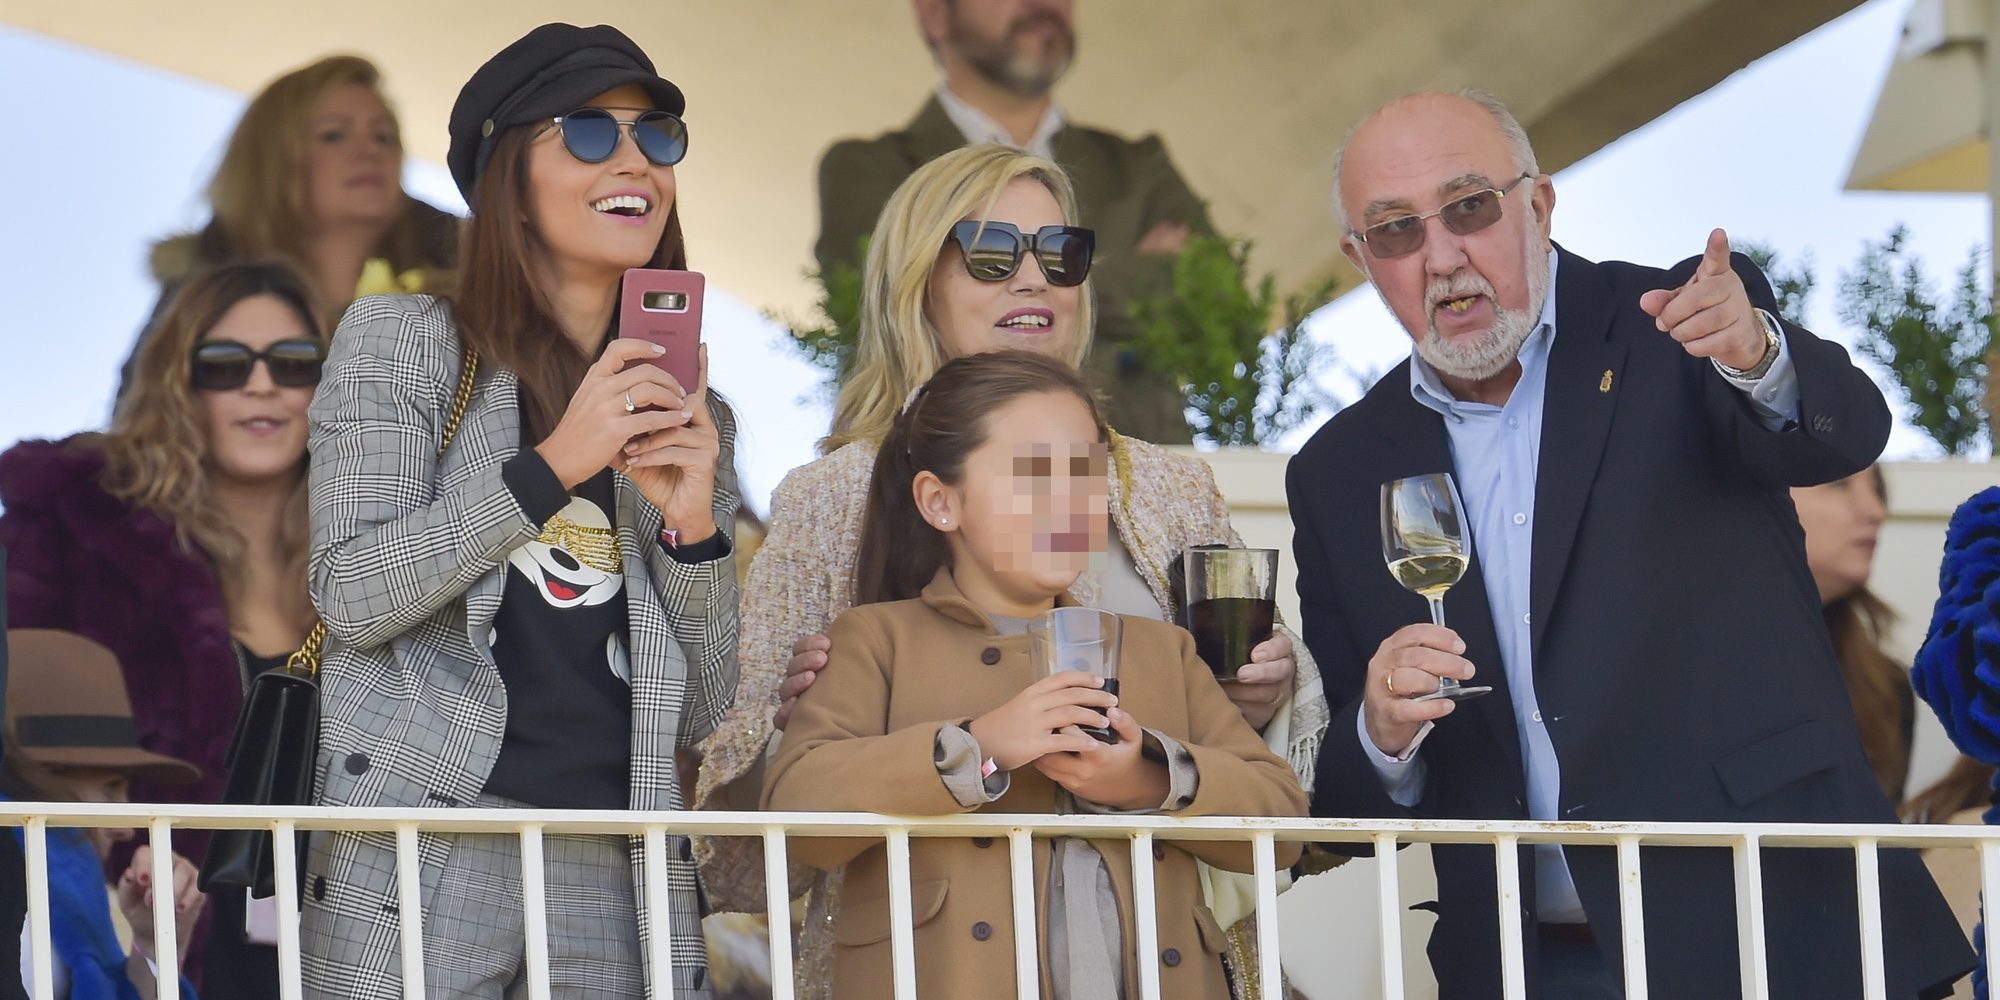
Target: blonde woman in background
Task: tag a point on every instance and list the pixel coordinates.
(940, 283)
(313, 175)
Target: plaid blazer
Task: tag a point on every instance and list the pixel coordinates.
(407, 570)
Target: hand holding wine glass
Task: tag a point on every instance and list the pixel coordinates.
(1423, 541)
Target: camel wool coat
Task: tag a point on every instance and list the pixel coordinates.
(865, 741)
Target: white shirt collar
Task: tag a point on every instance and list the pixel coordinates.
(977, 126)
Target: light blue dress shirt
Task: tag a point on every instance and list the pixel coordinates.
(1496, 452)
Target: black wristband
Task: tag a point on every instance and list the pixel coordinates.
(534, 485)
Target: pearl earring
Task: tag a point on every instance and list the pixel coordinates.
(942, 521)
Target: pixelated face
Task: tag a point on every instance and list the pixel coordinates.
(1035, 498)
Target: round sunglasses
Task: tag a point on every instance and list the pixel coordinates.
(591, 135)
(226, 364)
(993, 250)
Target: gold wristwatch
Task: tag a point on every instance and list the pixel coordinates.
(1763, 365)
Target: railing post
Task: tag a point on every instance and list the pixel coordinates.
(1146, 914)
(1027, 934)
(659, 914)
(1750, 918)
(285, 865)
(166, 943)
(902, 925)
(535, 910)
(1632, 917)
(1513, 970)
(410, 909)
(41, 955)
(1868, 884)
(778, 911)
(1264, 852)
(1989, 888)
(1389, 914)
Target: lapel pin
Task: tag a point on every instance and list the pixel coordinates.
(1604, 384)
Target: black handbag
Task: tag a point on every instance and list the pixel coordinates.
(276, 744)
(270, 763)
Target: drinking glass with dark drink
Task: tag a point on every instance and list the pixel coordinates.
(1232, 597)
(1082, 639)
(1423, 541)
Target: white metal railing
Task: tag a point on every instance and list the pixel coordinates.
(1746, 841)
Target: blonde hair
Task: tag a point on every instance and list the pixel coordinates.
(258, 194)
(156, 452)
(898, 347)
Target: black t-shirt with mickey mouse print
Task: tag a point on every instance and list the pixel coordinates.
(559, 641)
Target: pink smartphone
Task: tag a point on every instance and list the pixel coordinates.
(665, 307)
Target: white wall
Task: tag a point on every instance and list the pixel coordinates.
(1328, 922)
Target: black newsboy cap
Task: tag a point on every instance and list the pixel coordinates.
(550, 71)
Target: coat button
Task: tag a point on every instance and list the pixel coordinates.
(1172, 957)
(357, 763)
(982, 842)
(989, 656)
(981, 931)
(319, 888)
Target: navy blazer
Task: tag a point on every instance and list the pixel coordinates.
(1680, 658)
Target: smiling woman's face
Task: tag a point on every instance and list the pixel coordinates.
(258, 432)
(1023, 312)
(599, 217)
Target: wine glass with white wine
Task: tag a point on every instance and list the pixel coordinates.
(1423, 540)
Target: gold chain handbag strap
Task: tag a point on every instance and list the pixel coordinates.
(306, 660)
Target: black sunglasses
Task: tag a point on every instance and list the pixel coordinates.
(591, 135)
(993, 250)
(226, 364)
(1465, 214)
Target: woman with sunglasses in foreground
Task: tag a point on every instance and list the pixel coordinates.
(539, 610)
(177, 539)
(977, 251)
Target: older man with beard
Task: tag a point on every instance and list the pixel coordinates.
(1638, 600)
(1000, 60)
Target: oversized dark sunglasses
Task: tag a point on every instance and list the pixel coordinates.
(591, 135)
(1465, 214)
(993, 250)
(226, 364)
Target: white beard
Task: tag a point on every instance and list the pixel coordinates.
(1481, 356)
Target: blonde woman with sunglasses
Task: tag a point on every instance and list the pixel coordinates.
(978, 251)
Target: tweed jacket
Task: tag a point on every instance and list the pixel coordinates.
(865, 739)
(407, 569)
(801, 581)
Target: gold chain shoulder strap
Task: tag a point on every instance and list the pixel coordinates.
(306, 660)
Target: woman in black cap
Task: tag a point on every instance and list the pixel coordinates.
(540, 610)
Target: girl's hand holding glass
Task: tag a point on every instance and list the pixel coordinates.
(1042, 720)
(1116, 775)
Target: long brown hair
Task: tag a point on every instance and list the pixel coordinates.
(944, 424)
(258, 193)
(156, 452)
(1878, 687)
(500, 306)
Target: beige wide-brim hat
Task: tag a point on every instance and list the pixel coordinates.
(67, 707)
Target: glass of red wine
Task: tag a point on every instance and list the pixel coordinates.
(1232, 604)
(1083, 639)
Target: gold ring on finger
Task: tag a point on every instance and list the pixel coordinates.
(1389, 680)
